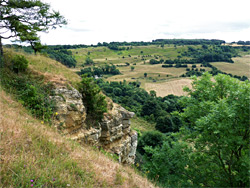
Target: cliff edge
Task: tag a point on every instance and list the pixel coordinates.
(113, 133)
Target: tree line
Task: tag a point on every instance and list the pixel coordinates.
(100, 70)
(146, 105)
(128, 45)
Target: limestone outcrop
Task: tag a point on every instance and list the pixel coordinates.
(116, 135)
(113, 133)
(70, 112)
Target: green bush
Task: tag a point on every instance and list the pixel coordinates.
(150, 138)
(92, 98)
(36, 98)
(30, 91)
(19, 63)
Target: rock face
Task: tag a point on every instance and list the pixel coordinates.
(113, 133)
(116, 135)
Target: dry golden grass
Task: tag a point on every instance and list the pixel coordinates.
(240, 67)
(174, 87)
(234, 45)
(20, 144)
(152, 71)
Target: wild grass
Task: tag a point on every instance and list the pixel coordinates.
(32, 157)
(34, 154)
(141, 125)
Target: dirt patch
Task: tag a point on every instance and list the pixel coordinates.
(174, 87)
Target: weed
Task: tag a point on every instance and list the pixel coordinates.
(73, 107)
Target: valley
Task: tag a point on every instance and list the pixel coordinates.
(133, 62)
(81, 108)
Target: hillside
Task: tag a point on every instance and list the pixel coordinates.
(33, 153)
(168, 127)
(161, 75)
(161, 113)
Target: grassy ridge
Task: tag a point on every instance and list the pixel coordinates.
(45, 66)
(32, 156)
(99, 54)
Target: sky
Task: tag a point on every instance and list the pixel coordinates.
(93, 21)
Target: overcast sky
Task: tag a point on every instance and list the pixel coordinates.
(93, 21)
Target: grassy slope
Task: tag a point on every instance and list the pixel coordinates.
(51, 69)
(141, 125)
(240, 67)
(31, 150)
(99, 54)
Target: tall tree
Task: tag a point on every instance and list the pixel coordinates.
(217, 125)
(22, 19)
(212, 148)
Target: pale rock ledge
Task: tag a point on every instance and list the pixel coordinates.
(114, 133)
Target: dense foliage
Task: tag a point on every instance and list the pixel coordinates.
(213, 53)
(243, 42)
(28, 89)
(144, 104)
(212, 148)
(150, 138)
(101, 70)
(22, 19)
(63, 56)
(92, 98)
(19, 63)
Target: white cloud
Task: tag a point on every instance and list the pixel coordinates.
(92, 21)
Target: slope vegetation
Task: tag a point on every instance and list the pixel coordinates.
(35, 154)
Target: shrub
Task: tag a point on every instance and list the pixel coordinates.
(150, 138)
(92, 98)
(164, 124)
(30, 91)
(153, 61)
(89, 61)
(19, 63)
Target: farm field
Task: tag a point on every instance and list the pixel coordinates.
(164, 81)
(133, 63)
(240, 67)
(171, 87)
